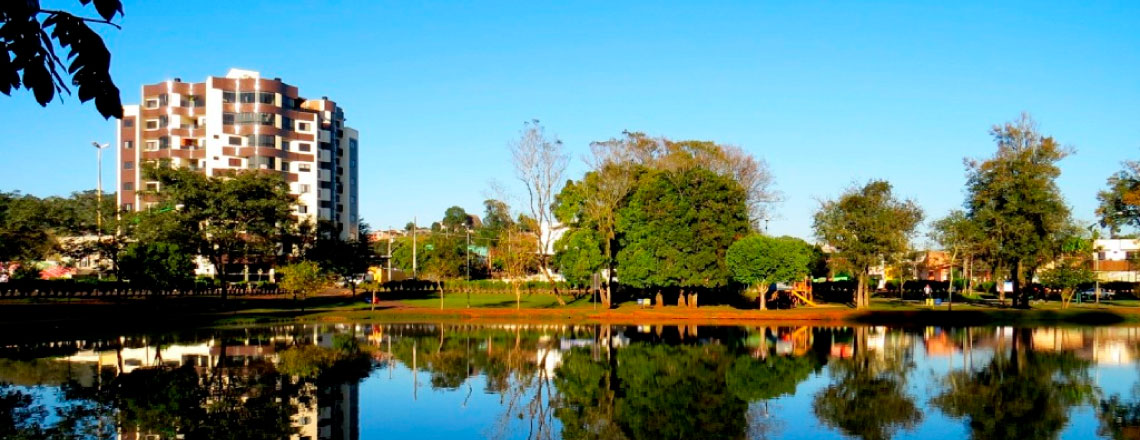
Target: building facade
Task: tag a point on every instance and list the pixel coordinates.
(244, 122)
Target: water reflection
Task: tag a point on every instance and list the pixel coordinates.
(576, 382)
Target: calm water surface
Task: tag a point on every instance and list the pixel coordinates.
(519, 382)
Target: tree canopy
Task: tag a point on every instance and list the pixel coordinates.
(866, 226)
(759, 260)
(1013, 197)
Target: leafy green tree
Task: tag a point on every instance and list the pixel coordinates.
(302, 278)
(1072, 265)
(23, 235)
(866, 226)
(578, 256)
(30, 60)
(960, 236)
(1014, 198)
(1120, 202)
(676, 229)
(456, 219)
(242, 216)
(759, 261)
(344, 258)
(156, 265)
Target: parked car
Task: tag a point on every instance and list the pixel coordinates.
(1089, 294)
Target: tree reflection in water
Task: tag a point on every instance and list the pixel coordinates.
(868, 397)
(1023, 393)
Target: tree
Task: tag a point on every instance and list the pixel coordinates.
(156, 265)
(676, 229)
(302, 278)
(31, 60)
(539, 163)
(1014, 198)
(344, 258)
(243, 215)
(866, 226)
(578, 256)
(1120, 203)
(960, 237)
(759, 260)
(1071, 269)
(456, 219)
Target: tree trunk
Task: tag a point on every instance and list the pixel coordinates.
(693, 300)
(549, 278)
(681, 299)
(763, 296)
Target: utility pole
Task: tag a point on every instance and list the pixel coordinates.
(99, 197)
(414, 268)
(467, 252)
(389, 253)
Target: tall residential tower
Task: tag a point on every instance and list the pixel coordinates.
(243, 121)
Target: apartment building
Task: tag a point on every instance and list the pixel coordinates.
(244, 122)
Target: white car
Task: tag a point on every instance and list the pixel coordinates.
(1090, 294)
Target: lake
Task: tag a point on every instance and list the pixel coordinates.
(446, 381)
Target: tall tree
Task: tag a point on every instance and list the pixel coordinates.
(539, 163)
(759, 260)
(456, 219)
(1120, 203)
(676, 229)
(31, 60)
(242, 216)
(866, 226)
(1014, 198)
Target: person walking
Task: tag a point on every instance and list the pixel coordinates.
(929, 298)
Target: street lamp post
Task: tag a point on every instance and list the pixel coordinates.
(99, 197)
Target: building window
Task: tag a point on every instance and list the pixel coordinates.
(151, 103)
(284, 166)
(303, 126)
(127, 206)
(163, 100)
(128, 186)
(326, 185)
(326, 204)
(286, 123)
(284, 145)
(228, 97)
(152, 124)
(302, 209)
(163, 121)
(193, 101)
(235, 140)
(305, 188)
(326, 165)
(261, 140)
(227, 119)
(304, 147)
(235, 162)
(163, 142)
(304, 167)
(129, 122)
(248, 97)
(152, 186)
(128, 144)
(289, 103)
(267, 98)
(128, 165)
(151, 145)
(249, 118)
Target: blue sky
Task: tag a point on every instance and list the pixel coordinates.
(828, 93)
